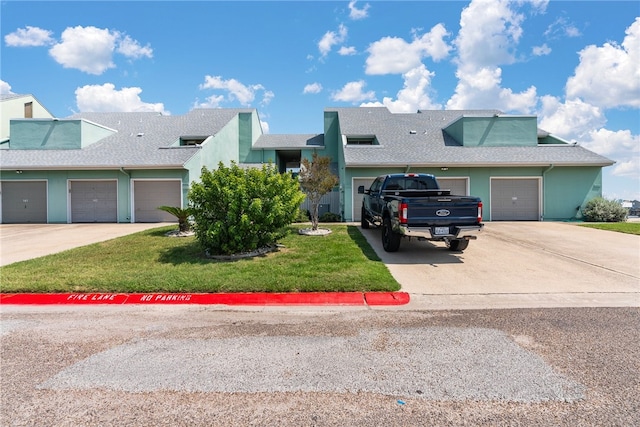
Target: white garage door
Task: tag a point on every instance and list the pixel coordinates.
(24, 202)
(515, 199)
(357, 198)
(458, 186)
(148, 195)
(94, 201)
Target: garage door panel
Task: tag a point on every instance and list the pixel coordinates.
(515, 200)
(458, 186)
(357, 198)
(94, 201)
(24, 202)
(149, 195)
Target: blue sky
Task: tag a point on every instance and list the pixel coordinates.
(574, 64)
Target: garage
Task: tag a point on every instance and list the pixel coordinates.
(357, 198)
(148, 195)
(24, 202)
(94, 201)
(515, 199)
(458, 186)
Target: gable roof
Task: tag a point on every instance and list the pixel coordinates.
(141, 140)
(418, 139)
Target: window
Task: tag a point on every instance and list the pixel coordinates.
(191, 141)
(28, 110)
(361, 140)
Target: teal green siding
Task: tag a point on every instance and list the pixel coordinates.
(54, 134)
(495, 131)
(567, 190)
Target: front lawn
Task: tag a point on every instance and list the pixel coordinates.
(149, 261)
(621, 227)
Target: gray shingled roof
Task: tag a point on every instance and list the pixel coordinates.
(285, 142)
(431, 146)
(125, 148)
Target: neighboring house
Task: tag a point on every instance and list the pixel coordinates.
(119, 167)
(14, 106)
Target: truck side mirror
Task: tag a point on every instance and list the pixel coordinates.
(361, 189)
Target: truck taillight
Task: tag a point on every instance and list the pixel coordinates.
(480, 212)
(403, 213)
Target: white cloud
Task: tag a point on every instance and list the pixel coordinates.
(29, 36)
(573, 119)
(413, 96)
(394, 55)
(105, 98)
(488, 37)
(355, 13)
(609, 76)
(312, 88)
(332, 38)
(560, 28)
(347, 51)
(236, 90)
(621, 146)
(91, 49)
(88, 49)
(5, 88)
(132, 49)
(489, 33)
(541, 50)
(353, 92)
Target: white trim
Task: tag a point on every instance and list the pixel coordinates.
(540, 191)
(132, 202)
(46, 193)
(69, 180)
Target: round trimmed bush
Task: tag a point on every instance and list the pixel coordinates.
(239, 210)
(603, 210)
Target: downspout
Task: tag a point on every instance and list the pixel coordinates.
(544, 189)
(408, 168)
(130, 217)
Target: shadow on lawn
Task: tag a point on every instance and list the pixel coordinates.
(362, 243)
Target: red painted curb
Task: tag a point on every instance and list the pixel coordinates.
(260, 299)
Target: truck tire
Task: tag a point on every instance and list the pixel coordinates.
(363, 219)
(390, 239)
(458, 245)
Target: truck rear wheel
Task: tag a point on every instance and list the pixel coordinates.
(390, 239)
(458, 245)
(363, 219)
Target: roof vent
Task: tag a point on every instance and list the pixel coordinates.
(140, 134)
(412, 132)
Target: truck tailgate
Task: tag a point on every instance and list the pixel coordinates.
(425, 211)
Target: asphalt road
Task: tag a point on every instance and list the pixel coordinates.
(206, 366)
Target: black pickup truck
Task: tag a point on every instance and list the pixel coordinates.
(413, 205)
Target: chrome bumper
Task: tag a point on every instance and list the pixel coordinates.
(455, 232)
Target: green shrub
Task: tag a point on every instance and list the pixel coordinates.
(303, 215)
(603, 210)
(329, 217)
(237, 210)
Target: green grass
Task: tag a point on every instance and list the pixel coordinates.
(621, 227)
(151, 262)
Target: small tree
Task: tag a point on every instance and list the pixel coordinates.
(182, 214)
(237, 210)
(316, 180)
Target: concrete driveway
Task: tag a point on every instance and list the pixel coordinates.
(520, 264)
(19, 242)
